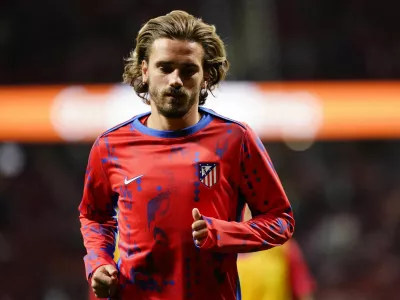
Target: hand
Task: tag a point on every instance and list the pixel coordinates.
(105, 281)
(200, 230)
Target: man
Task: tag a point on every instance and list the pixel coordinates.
(180, 176)
(280, 273)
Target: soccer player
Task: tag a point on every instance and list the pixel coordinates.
(280, 273)
(180, 176)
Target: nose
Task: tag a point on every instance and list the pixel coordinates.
(175, 80)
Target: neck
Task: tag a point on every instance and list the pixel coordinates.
(159, 122)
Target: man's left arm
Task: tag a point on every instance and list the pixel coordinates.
(272, 223)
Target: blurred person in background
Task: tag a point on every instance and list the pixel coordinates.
(166, 168)
(280, 273)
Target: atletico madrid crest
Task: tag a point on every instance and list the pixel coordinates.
(209, 173)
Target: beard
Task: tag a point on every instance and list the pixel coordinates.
(173, 103)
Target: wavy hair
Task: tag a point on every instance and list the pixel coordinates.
(181, 26)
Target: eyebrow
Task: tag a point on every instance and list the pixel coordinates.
(170, 63)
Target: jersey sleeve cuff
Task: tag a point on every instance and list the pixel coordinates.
(93, 262)
(212, 237)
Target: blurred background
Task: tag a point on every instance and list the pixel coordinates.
(317, 80)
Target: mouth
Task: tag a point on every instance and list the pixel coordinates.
(175, 99)
(174, 95)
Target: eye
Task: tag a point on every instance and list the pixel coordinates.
(165, 69)
(188, 72)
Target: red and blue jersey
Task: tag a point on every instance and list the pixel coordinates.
(143, 183)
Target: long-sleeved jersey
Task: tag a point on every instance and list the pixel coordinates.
(143, 183)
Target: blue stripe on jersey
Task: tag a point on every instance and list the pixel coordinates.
(124, 123)
(211, 112)
(205, 120)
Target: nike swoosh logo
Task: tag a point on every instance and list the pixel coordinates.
(126, 181)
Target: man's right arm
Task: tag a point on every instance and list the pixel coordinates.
(97, 213)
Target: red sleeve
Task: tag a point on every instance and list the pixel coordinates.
(97, 214)
(272, 223)
(302, 282)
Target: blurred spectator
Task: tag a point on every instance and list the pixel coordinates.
(280, 273)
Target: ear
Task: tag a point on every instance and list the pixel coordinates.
(204, 84)
(145, 71)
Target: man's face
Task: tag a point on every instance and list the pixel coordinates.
(174, 74)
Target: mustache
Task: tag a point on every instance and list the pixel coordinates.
(175, 92)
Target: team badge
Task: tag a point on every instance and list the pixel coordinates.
(209, 173)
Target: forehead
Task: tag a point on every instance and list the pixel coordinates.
(179, 51)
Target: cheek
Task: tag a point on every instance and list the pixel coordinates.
(194, 84)
(157, 81)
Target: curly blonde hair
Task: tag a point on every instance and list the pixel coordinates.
(181, 26)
